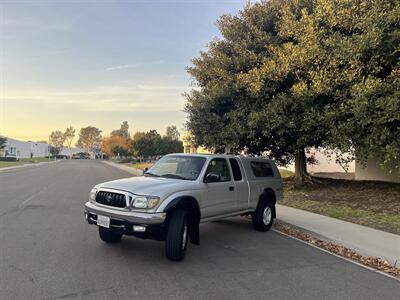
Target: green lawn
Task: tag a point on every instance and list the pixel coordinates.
(141, 166)
(23, 161)
(286, 173)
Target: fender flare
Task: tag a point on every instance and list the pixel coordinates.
(268, 195)
(190, 204)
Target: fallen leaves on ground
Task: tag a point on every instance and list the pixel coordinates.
(373, 262)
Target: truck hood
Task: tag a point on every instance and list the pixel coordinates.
(151, 186)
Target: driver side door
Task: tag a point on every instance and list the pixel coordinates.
(219, 198)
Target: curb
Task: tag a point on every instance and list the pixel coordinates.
(29, 165)
(353, 236)
(325, 238)
(334, 254)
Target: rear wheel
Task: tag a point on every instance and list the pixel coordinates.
(108, 236)
(177, 236)
(262, 217)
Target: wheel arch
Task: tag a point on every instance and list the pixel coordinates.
(268, 195)
(191, 205)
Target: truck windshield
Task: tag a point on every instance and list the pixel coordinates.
(177, 167)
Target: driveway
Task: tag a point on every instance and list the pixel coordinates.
(47, 251)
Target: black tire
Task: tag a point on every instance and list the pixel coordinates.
(259, 222)
(176, 238)
(108, 236)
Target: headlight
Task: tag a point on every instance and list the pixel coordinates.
(145, 202)
(139, 202)
(92, 196)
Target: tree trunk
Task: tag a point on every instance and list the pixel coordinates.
(300, 165)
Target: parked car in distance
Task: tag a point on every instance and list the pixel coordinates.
(81, 155)
(11, 157)
(181, 191)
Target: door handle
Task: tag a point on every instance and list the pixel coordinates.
(231, 188)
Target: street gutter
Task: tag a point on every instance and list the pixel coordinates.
(371, 263)
(365, 240)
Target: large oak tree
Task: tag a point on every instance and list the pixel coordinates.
(287, 74)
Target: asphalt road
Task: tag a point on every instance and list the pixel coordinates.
(47, 251)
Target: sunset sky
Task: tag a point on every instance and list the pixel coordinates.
(99, 63)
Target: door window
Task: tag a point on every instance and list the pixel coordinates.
(219, 166)
(237, 174)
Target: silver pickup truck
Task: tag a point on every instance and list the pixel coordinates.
(181, 191)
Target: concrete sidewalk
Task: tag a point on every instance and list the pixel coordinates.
(133, 171)
(365, 240)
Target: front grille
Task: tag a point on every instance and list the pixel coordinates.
(111, 199)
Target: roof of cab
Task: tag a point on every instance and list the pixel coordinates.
(206, 155)
(189, 154)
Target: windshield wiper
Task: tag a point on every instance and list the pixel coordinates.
(151, 174)
(174, 176)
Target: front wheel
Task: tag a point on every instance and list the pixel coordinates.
(106, 235)
(263, 217)
(177, 236)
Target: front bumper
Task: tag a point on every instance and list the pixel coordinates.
(125, 222)
(125, 215)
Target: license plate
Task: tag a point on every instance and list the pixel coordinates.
(103, 221)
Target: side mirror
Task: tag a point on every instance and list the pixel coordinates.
(145, 170)
(212, 177)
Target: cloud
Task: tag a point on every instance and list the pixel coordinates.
(152, 87)
(136, 65)
(59, 21)
(18, 24)
(29, 24)
(129, 66)
(11, 22)
(113, 98)
(176, 76)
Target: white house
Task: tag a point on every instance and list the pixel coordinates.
(371, 170)
(325, 162)
(26, 149)
(39, 149)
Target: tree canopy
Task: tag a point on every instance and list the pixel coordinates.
(147, 144)
(143, 144)
(119, 143)
(56, 139)
(151, 143)
(69, 135)
(173, 133)
(123, 131)
(116, 145)
(89, 137)
(288, 74)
